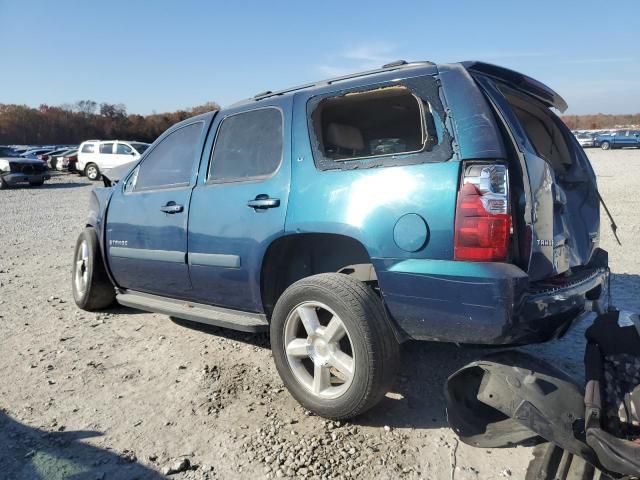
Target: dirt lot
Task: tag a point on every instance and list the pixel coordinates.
(126, 394)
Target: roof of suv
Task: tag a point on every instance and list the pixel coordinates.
(520, 81)
(390, 67)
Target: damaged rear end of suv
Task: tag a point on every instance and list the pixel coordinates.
(527, 223)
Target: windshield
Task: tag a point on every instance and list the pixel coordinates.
(140, 147)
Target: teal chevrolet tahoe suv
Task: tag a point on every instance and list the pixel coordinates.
(416, 201)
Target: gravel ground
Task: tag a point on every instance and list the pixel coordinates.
(126, 394)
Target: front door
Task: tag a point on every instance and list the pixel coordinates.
(106, 155)
(239, 204)
(146, 237)
(123, 154)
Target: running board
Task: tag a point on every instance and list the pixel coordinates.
(196, 312)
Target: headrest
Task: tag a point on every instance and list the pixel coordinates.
(345, 136)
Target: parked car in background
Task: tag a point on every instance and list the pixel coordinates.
(7, 151)
(15, 170)
(68, 161)
(96, 155)
(618, 139)
(585, 140)
(417, 201)
(47, 156)
(56, 155)
(33, 153)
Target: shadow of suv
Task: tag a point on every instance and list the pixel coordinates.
(416, 201)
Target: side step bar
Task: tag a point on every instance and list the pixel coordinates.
(196, 312)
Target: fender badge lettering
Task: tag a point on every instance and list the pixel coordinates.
(545, 243)
(118, 243)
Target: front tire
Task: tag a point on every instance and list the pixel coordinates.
(333, 346)
(605, 145)
(92, 172)
(92, 289)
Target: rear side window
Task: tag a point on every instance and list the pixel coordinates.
(106, 148)
(171, 162)
(248, 146)
(371, 123)
(88, 148)
(401, 123)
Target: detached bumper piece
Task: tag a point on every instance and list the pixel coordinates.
(513, 398)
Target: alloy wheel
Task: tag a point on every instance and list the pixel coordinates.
(81, 276)
(92, 172)
(319, 350)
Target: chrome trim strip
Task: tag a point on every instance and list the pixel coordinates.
(214, 260)
(171, 256)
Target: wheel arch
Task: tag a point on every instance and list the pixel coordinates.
(96, 219)
(292, 257)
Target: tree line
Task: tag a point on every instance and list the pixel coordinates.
(86, 119)
(83, 120)
(600, 121)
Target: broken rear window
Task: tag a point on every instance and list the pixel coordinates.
(381, 126)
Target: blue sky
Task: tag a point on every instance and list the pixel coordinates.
(163, 55)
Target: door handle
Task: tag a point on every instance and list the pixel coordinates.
(262, 202)
(171, 207)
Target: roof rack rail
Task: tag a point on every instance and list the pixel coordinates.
(389, 66)
(396, 63)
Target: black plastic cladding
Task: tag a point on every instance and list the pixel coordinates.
(427, 88)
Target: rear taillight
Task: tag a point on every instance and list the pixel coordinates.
(483, 216)
(40, 157)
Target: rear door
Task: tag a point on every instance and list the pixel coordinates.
(146, 234)
(560, 203)
(240, 203)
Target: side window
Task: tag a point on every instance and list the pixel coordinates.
(106, 147)
(248, 145)
(398, 123)
(171, 162)
(89, 148)
(123, 149)
(371, 123)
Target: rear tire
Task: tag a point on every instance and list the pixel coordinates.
(605, 145)
(333, 346)
(92, 172)
(92, 289)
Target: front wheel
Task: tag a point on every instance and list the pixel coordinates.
(92, 289)
(333, 346)
(605, 145)
(92, 172)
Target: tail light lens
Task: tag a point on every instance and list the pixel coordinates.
(483, 218)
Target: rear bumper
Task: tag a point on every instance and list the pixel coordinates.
(481, 303)
(17, 178)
